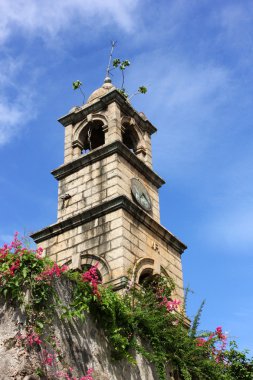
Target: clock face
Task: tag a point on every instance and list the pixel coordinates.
(141, 194)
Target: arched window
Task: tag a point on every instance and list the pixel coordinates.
(92, 136)
(143, 269)
(103, 269)
(149, 280)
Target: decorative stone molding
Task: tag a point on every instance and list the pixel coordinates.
(119, 282)
(140, 151)
(106, 151)
(77, 144)
(127, 120)
(78, 260)
(105, 128)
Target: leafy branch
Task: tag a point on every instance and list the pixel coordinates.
(117, 63)
(122, 65)
(77, 85)
(196, 320)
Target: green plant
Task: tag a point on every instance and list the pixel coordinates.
(238, 364)
(122, 65)
(196, 320)
(146, 319)
(77, 85)
(117, 63)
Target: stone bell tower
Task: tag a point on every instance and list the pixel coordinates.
(108, 204)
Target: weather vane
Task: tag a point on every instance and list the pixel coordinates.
(113, 44)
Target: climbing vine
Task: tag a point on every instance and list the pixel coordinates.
(147, 320)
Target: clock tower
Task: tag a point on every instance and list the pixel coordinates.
(108, 203)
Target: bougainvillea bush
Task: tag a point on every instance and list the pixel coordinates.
(143, 319)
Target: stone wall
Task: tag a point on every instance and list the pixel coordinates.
(83, 343)
(145, 249)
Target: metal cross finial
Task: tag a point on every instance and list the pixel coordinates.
(113, 44)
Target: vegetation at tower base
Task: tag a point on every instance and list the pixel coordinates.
(141, 319)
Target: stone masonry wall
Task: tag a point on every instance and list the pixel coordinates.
(83, 344)
(144, 249)
(101, 237)
(122, 246)
(98, 182)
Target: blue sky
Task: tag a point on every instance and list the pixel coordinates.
(196, 59)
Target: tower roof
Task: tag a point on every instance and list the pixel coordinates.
(97, 101)
(101, 91)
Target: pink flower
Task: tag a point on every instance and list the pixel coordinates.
(48, 358)
(200, 342)
(50, 272)
(39, 252)
(216, 342)
(88, 376)
(30, 339)
(219, 333)
(91, 276)
(170, 305)
(16, 244)
(67, 376)
(4, 251)
(14, 267)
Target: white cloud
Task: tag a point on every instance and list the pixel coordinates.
(15, 102)
(186, 100)
(194, 86)
(13, 117)
(178, 83)
(235, 16)
(235, 23)
(201, 143)
(47, 18)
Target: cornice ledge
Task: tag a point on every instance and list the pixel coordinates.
(154, 226)
(103, 209)
(118, 283)
(77, 220)
(103, 152)
(81, 112)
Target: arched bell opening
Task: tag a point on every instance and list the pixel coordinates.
(92, 136)
(130, 137)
